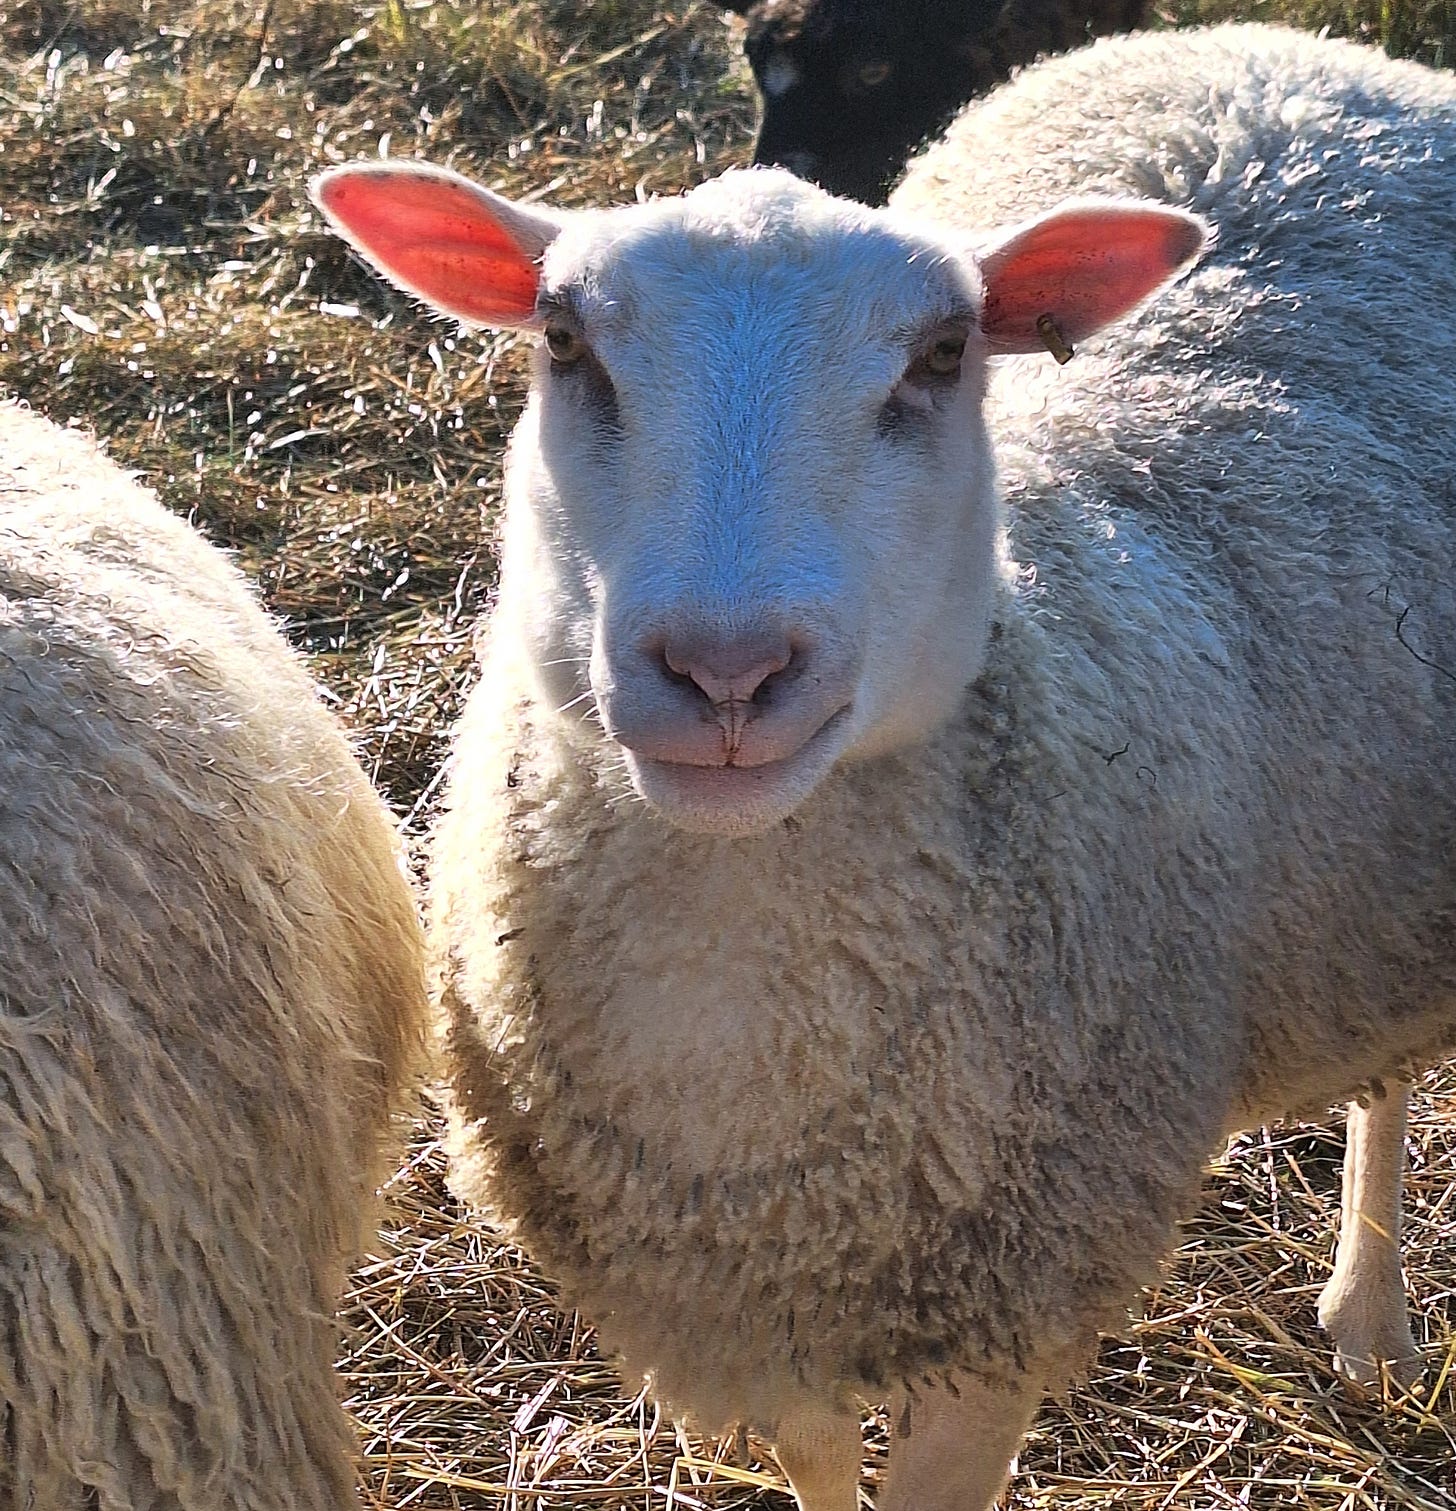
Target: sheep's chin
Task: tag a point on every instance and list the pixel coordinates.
(735, 801)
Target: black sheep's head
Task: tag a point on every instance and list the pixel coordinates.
(851, 88)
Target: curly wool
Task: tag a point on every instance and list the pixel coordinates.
(921, 1081)
(211, 999)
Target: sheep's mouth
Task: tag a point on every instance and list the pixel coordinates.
(733, 800)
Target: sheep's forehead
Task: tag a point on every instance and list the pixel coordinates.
(758, 247)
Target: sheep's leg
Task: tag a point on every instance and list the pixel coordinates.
(821, 1451)
(1362, 1306)
(958, 1452)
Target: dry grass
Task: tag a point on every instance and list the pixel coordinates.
(162, 277)
(474, 1390)
(1421, 29)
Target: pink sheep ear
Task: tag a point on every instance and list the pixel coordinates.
(460, 248)
(1082, 266)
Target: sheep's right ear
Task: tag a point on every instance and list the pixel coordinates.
(460, 248)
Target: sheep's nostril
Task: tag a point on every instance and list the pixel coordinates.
(733, 675)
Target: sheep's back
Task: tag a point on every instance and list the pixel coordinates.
(209, 1001)
(1325, 171)
(1248, 124)
(1273, 434)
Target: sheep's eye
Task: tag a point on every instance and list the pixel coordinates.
(564, 344)
(930, 378)
(944, 358)
(873, 74)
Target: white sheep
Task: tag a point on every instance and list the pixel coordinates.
(867, 893)
(211, 997)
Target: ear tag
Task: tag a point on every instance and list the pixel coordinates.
(1054, 341)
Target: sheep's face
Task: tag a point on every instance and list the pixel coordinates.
(750, 528)
(752, 498)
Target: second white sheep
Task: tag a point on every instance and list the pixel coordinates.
(211, 1002)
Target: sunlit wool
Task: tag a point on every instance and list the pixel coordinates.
(211, 999)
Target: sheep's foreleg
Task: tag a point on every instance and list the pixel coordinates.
(959, 1448)
(1362, 1306)
(820, 1451)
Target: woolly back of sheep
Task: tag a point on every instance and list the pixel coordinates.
(211, 1002)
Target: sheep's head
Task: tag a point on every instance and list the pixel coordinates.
(751, 527)
(850, 89)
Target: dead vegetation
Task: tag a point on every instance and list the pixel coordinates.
(163, 279)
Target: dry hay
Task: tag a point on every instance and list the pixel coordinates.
(162, 278)
(474, 1390)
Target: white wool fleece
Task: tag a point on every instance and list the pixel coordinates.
(211, 1002)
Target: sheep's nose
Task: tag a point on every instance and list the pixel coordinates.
(803, 165)
(731, 674)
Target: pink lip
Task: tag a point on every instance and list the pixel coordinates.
(684, 789)
(701, 747)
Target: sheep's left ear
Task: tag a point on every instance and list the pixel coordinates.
(1084, 265)
(460, 248)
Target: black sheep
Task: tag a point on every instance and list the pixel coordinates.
(851, 87)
